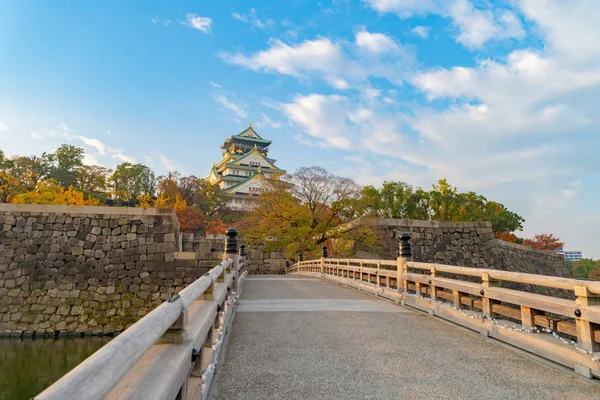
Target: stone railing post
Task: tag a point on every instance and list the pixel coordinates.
(324, 255)
(404, 255)
(231, 251)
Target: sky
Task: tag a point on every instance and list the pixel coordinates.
(499, 97)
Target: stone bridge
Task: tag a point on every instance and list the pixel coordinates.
(349, 328)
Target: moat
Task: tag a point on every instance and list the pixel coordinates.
(29, 366)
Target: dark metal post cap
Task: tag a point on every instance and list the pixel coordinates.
(231, 232)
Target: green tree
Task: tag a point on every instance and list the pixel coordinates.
(583, 267)
(93, 179)
(63, 165)
(132, 181)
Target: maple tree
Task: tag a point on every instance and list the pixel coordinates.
(544, 241)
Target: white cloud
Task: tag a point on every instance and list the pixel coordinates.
(570, 28)
(322, 117)
(165, 162)
(215, 85)
(320, 54)
(338, 83)
(405, 8)
(267, 121)
(4, 127)
(375, 42)
(95, 143)
(476, 26)
(327, 60)
(237, 109)
(157, 20)
(480, 26)
(200, 23)
(252, 19)
(421, 31)
(60, 131)
(122, 157)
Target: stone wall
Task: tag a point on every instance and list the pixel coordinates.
(259, 261)
(469, 244)
(88, 269)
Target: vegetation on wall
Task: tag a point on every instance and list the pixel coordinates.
(302, 210)
(61, 178)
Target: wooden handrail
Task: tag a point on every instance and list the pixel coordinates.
(423, 286)
(95, 377)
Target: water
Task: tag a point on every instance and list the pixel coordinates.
(29, 366)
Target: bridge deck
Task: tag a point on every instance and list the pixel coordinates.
(301, 338)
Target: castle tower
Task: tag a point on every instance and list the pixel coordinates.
(244, 168)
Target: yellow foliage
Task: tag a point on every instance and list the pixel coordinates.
(164, 201)
(144, 201)
(48, 192)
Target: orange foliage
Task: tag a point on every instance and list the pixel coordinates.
(506, 236)
(595, 274)
(544, 241)
(215, 226)
(190, 219)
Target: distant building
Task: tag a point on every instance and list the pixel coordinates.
(244, 168)
(570, 255)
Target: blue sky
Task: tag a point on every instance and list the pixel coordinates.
(500, 97)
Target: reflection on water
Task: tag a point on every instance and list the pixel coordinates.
(29, 366)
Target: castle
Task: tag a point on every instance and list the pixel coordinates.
(244, 169)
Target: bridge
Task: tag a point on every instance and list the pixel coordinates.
(351, 328)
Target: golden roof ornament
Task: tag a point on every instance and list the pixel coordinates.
(250, 124)
(258, 170)
(254, 146)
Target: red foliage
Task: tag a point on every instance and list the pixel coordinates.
(215, 226)
(190, 219)
(544, 241)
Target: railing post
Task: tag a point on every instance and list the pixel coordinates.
(404, 255)
(585, 329)
(486, 302)
(242, 256)
(324, 255)
(432, 288)
(528, 317)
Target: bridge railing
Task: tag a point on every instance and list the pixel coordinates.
(562, 325)
(171, 352)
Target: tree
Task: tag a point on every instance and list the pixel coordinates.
(303, 211)
(442, 203)
(17, 175)
(445, 202)
(64, 164)
(544, 241)
(190, 219)
(49, 192)
(329, 198)
(93, 179)
(132, 181)
(584, 268)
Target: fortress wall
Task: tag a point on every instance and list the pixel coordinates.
(469, 244)
(87, 269)
(259, 261)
